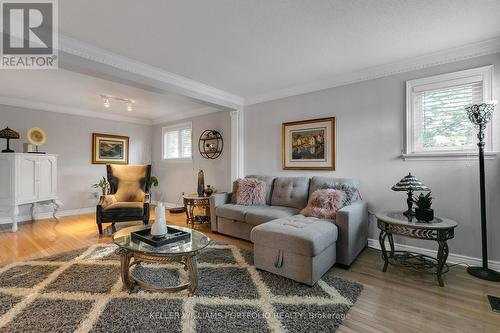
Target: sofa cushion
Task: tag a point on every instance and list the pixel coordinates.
(324, 204)
(251, 192)
(290, 192)
(263, 214)
(269, 185)
(233, 212)
(124, 209)
(307, 236)
(318, 182)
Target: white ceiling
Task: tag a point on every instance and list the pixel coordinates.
(226, 53)
(62, 90)
(252, 48)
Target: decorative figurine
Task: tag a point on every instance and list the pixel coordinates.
(209, 190)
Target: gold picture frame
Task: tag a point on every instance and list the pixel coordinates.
(110, 149)
(309, 144)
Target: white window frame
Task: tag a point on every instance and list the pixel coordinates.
(173, 128)
(485, 74)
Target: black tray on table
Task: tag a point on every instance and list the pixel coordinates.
(173, 235)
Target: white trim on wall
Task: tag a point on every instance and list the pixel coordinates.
(468, 51)
(35, 105)
(237, 161)
(177, 83)
(482, 74)
(452, 257)
(48, 215)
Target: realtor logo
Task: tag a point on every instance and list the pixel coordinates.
(29, 34)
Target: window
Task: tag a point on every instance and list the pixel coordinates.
(437, 123)
(177, 142)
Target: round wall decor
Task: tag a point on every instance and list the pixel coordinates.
(210, 144)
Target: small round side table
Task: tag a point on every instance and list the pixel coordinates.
(440, 229)
(190, 202)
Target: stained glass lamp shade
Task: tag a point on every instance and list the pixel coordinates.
(410, 184)
(8, 134)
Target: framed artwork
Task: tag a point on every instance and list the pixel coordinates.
(309, 144)
(109, 149)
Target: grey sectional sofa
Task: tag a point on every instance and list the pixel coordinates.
(285, 197)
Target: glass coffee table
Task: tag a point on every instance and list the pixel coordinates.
(183, 252)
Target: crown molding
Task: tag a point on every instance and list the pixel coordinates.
(192, 113)
(464, 52)
(179, 83)
(36, 105)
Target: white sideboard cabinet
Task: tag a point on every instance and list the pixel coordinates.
(28, 179)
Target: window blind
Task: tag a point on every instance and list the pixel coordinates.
(441, 122)
(177, 142)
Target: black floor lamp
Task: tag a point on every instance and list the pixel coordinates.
(479, 115)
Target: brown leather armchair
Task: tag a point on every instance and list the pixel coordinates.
(128, 198)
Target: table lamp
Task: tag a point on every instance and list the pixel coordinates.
(480, 114)
(8, 134)
(409, 184)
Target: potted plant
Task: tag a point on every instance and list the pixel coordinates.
(156, 194)
(423, 212)
(103, 185)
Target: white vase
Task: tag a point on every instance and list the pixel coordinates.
(159, 227)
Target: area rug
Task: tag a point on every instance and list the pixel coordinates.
(81, 291)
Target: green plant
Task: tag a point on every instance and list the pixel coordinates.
(423, 201)
(153, 181)
(103, 185)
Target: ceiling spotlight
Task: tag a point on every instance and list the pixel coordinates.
(128, 102)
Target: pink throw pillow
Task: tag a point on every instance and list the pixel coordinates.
(251, 192)
(324, 204)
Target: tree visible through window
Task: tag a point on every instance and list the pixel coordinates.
(437, 121)
(445, 123)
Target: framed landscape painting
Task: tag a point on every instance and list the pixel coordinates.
(309, 144)
(109, 149)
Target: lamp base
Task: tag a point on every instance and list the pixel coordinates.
(8, 151)
(409, 213)
(484, 274)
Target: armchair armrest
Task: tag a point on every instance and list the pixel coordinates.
(216, 200)
(352, 223)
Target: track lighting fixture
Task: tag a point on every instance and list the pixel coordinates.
(128, 102)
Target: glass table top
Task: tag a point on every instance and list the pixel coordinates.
(397, 217)
(197, 242)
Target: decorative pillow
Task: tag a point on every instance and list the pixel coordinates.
(324, 204)
(251, 192)
(351, 194)
(235, 191)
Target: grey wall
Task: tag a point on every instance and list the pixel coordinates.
(370, 138)
(71, 138)
(178, 177)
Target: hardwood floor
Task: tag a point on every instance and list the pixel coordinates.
(396, 301)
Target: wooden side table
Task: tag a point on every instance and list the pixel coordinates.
(190, 202)
(440, 230)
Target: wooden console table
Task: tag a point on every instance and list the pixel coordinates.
(440, 230)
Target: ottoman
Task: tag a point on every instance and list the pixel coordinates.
(297, 247)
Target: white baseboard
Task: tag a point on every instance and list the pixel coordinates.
(452, 258)
(47, 215)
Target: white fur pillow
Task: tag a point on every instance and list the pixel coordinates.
(251, 192)
(324, 204)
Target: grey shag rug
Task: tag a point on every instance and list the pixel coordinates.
(81, 291)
